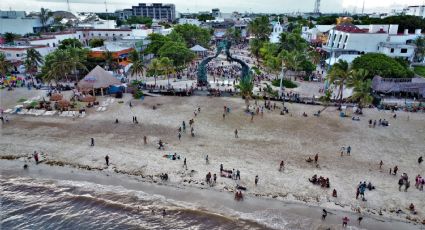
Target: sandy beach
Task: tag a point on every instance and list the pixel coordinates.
(261, 145)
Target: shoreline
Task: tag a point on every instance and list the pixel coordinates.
(201, 196)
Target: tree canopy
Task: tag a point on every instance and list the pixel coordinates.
(193, 35)
(96, 42)
(403, 21)
(70, 43)
(260, 28)
(177, 52)
(139, 20)
(205, 17)
(382, 65)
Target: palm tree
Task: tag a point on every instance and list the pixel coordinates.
(362, 93)
(45, 15)
(245, 86)
(338, 75)
(292, 60)
(5, 64)
(260, 28)
(357, 75)
(138, 66)
(33, 60)
(66, 62)
(420, 49)
(155, 67)
(167, 67)
(108, 56)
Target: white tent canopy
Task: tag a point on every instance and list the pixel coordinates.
(198, 48)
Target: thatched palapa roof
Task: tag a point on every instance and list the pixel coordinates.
(98, 78)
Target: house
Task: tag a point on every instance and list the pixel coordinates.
(17, 53)
(347, 38)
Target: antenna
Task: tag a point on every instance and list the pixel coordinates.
(69, 6)
(363, 8)
(316, 7)
(107, 15)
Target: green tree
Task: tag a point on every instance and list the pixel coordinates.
(362, 93)
(154, 68)
(338, 75)
(45, 15)
(177, 52)
(33, 60)
(234, 35)
(70, 43)
(193, 35)
(245, 86)
(382, 65)
(167, 67)
(260, 28)
(10, 37)
(5, 65)
(156, 42)
(420, 49)
(255, 46)
(137, 68)
(62, 63)
(327, 20)
(96, 42)
(205, 17)
(110, 61)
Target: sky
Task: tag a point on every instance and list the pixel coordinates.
(183, 6)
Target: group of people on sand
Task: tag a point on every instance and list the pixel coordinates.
(322, 181)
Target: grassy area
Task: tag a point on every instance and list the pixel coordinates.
(286, 83)
(420, 70)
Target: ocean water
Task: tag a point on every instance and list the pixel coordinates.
(28, 203)
(45, 197)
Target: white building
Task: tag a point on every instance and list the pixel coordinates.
(315, 33)
(17, 53)
(277, 30)
(190, 21)
(347, 38)
(415, 11)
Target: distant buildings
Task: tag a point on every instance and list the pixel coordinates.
(17, 22)
(347, 38)
(158, 11)
(415, 11)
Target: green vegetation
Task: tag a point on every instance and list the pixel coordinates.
(32, 61)
(286, 83)
(403, 21)
(137, 68)
(70, 43)
(420, 70)
(10, 37)
(205, 17)
(382, 65)
(193, 35)
(96, 42)
(177, 52)
(5, 65)
(139, 20)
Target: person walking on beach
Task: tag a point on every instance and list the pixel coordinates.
(345, 222)
(224, 116)
(92, 141)
(236, 133)
(36, 157)
(215, 178)
(184, 126)
(107, 160)
(380, 164)
(282, 165)
(238, 175)
(420, 160)
(180, 135)
(256, 180)
(348, 150)
(145, 140)
(324, 214)
(360, 219)
(206, 160)
(184, 163)
(316, 158)
(221, 168)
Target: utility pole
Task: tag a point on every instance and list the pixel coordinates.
(363, 8)
(69, 6)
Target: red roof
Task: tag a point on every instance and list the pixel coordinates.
(20, 48)
(350, 28)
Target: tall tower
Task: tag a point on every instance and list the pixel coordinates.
(69, 6)
(316, 7)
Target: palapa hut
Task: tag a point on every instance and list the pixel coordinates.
(97, 79)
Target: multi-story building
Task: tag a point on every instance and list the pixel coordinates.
(17, 53)
(158, 11)
(347, 38)
(415, 11)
